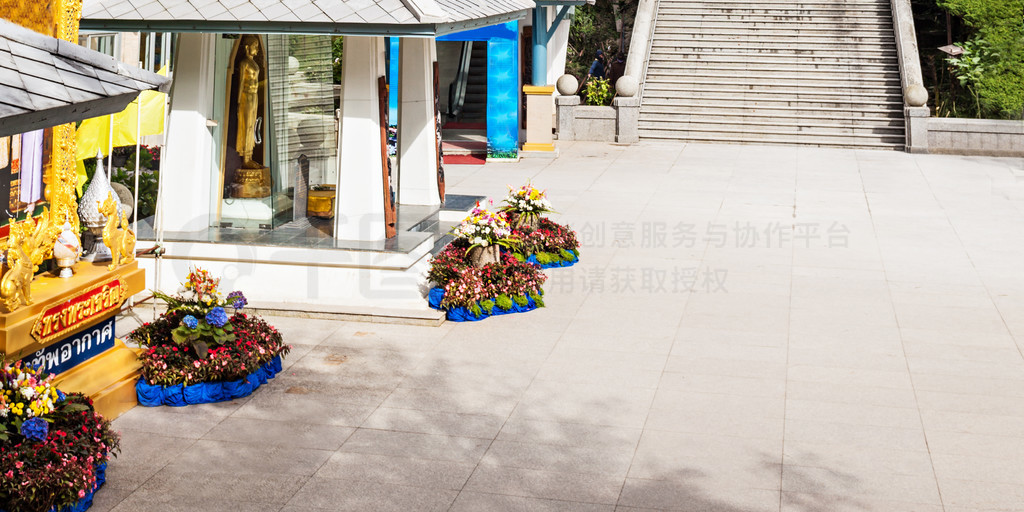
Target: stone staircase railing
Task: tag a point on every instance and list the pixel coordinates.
(915, 96)
(620, 122)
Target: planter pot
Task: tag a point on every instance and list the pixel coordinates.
(481, 256)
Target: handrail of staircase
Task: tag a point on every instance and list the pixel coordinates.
(458, 101)
(640, 41)
(915, 95)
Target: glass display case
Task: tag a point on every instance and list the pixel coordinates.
(275, 132)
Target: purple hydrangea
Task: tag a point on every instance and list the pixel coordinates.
(190, 321)
(217, 317)
(35, 429)
(237, 300)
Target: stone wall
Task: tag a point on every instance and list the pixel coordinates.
(617, 123)
(975, 137)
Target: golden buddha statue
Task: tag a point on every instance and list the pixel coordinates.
(252, 179)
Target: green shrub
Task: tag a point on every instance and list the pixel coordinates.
(598, 92)
(992, 66)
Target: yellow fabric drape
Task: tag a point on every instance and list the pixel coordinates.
(94, 134)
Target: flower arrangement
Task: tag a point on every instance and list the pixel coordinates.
(542, 241)
(205, 323)
(196, 342)
(524, 205)
(482, 228)
(468, 292)
(53, 447)
(549, 245)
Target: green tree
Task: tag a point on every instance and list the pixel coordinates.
(992, 66)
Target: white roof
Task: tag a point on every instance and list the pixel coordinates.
(383, 17)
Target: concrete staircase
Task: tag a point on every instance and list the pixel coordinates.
(812, 72)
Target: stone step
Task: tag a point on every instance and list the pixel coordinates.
(826, 119)
(820, 21)
(787, 11)
(654, 89)
(697, 24)
(790, 110)
(675, 72)
(774, 46)
(787, 140)
(774, 68)
(668, 4)
(839, 132)
(664, 55)
(682, 98)
(810, 79)
(747, 36)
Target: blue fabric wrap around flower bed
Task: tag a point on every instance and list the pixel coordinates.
(83, 504)
(553, 264)
(206, 392)
(461, 314)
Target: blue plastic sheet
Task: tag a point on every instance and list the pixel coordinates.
(206, 392)
(460, 314)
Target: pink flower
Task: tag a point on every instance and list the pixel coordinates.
(81, 493)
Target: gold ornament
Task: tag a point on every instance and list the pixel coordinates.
(29, 243)
(120, 241)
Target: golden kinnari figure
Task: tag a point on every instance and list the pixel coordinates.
(121, 241)
(252, 179)
(26, 247)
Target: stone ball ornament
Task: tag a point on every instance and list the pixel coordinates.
(915, 95)
(567, 85)
(627, 86)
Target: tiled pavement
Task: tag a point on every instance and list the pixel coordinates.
(865, 354)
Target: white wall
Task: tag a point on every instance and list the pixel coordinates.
(186, 159)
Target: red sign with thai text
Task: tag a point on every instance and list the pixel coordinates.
(68, 316)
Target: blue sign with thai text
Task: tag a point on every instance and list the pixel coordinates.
(75, 349)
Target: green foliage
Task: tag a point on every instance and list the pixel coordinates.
(504, 302)
(511, 154)
(593, 28)
(537, 299)
(992, 66)
(487, 305)
(337, 49)
(521, 300)
(148, 184)
(475, 309)
(597, 91)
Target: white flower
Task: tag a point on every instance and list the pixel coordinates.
(28, 393)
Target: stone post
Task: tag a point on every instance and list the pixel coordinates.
(627, 119)
(538, 118)
(360, 200)
(417, 135)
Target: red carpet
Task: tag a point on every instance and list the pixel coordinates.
(465, 159)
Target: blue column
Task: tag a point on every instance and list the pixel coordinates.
(503, 95)
(540, 45)
(393, 80)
